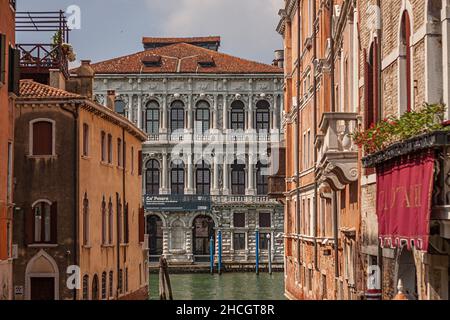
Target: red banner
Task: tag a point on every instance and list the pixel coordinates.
(404, 189)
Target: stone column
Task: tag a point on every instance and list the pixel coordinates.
(250, 117)
(215, 123)
(251, 177)
(164, 171)
(226, 187)
(130, 107)
(189, 124)
(215, 179)
(190, 177)
(164, 123)
(225, 113)
(139, 111)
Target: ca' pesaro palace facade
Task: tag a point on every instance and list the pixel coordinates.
(412, 205)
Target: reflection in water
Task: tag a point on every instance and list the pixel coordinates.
(229, 286)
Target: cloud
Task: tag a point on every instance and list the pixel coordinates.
(247, 27)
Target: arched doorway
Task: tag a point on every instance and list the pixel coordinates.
(407, 273)
(42, 278)
(155, 236)
(202, 232)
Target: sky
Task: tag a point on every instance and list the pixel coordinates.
(112, 28)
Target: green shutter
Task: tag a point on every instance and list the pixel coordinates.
(14, 71)
(2, 58)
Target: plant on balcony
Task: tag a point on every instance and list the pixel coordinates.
(391, 130)
(66, 48)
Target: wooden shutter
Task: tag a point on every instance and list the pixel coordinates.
(54, 223)
(141, 225)
(42, 138)
(28, 226)
(14, 71)
(2, 58)
(140, 162)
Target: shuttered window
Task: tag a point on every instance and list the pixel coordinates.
(14, 70)
(42, 138)
(2, 58)
(41, 224)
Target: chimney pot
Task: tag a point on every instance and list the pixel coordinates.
(111, 99)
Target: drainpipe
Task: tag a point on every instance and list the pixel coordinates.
(314, 135)
(76, 191)
(333, 109)
(298, 132)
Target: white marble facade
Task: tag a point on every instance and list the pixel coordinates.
(218, 93)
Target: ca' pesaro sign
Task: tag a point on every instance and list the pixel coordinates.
(177, 203)
(404, 195)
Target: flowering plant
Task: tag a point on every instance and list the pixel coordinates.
(413, 123)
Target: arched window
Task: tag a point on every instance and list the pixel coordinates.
(152, 177)
(119, 220)
(119, 107)
(85, 220)
(110, 222)
(44, 222)
(371, 86)
(104, 225)
(262, 179)
(42, 138)
(152, 118)
(202, 117)
(237, 115)
(177, 177)
(238, 178)
(203, 179)
(405, 64)
(104, 289)
(120, 281)
(177, 116)
(95, 288)
(262, 116)
(111, 284)
(85, 287)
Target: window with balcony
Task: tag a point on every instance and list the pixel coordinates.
(237, 115)
(238, 178)
(177, 178)
(262, 116)
(203, 179)
(152, 177)
(177, 116)
(202, 117)
(262, 179)
(152, 118)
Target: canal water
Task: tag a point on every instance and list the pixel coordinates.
(228, 286)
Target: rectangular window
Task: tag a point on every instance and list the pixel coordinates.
(10, 174)
(103, 146)
(304, 151)
(264, 220)
(85, 140)
(14, 70)
(119, 152)
(239, 241)
(132, 160)
(124, 154)
(42, 138)
(3, 58)
(308, 149)
(239, 220)
(110, 149)
(264, 241)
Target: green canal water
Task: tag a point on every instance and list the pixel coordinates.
(228, 286)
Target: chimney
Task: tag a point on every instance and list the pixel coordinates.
(85, 76)
(57, 79)
(279, 59)
(111, 99)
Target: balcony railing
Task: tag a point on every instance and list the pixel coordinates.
(277, 180)
(337, 153)
(42, 57)
(215, 136)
